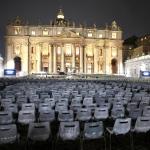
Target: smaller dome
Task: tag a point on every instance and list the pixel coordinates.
(60, 14)
(60, 20)
(18, 21)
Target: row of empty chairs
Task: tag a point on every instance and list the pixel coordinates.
(41, 132)
(56, 111)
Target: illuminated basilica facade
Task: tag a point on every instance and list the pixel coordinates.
(63, 46)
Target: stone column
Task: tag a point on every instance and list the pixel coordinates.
(105, 59)
(38, 58)
(30, 59)
(24, 58)
(10, 59)
(120, 63)
(35, 60)
(73, 57)
(50, 64)
(81, 59)
(85, 71)
(95, 60)
(54, 59)
(62, 58)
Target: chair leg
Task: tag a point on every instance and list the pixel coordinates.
(110, 142)
(104, 142)
(81, 143)
(131, 141)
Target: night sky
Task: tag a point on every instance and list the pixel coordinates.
(132, 15)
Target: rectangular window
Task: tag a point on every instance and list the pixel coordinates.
(16, 32)
(114, 35)
(90, 35)
(77, 33)
(77, 51)
(33, 32)
(45, 32)
(58, 51)
(100, 35)
(68, 51)
(114, 52)
(58, 32)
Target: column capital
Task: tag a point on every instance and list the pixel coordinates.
(83, 45)
(81, 59)
(99, 47)
(77, 44)
(53, 44)
(62, 44)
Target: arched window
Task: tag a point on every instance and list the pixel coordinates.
(17, 62)
(114, 66)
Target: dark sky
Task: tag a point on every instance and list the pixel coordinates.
(132, 15)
